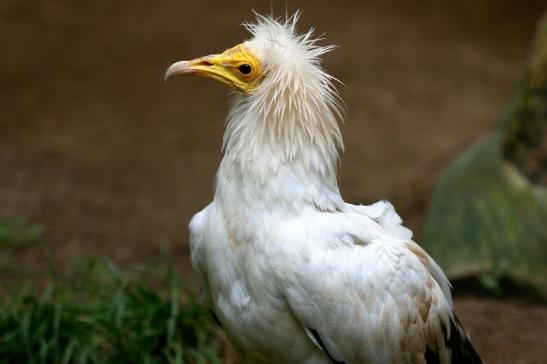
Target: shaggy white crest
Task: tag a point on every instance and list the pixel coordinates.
(293, 113)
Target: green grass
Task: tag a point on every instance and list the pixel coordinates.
(18, 232)
(103, 315)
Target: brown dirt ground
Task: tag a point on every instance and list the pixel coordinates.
(109, 159)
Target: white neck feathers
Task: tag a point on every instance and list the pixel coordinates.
(282, 141)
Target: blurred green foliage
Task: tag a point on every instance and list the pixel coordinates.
(18, 232)
(488, 215)
(103, 315)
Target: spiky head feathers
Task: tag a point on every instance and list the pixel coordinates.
(296, 106)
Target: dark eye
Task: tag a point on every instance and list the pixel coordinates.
(245, 69)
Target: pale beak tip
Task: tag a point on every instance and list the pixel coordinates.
(176, 69)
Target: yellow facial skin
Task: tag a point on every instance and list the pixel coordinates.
(237, 67)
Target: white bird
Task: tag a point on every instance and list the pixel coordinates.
(292, 272)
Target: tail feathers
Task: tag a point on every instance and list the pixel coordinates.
(461, 348)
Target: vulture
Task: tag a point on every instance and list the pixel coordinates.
(291, 272)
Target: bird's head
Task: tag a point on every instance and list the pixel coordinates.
(275, 52)
(283, 94)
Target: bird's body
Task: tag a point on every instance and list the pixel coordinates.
(340, 274)
(292, 272)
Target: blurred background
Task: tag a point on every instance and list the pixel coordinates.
(98, 157)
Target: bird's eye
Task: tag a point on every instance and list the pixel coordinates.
(245, 69)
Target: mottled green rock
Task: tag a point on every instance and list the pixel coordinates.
(489, 210)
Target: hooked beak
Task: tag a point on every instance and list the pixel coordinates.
(203, 66)
(236, 67)
(177, 69)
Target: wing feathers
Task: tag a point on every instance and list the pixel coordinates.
(316, 338)
(381, 301)
(461, 348)
(433, 268)
(431, 356)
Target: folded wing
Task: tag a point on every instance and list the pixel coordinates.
(382, 301)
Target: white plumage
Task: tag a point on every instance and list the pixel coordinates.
(292, 272)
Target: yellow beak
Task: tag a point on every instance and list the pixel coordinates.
(203, 67)
(237, 67)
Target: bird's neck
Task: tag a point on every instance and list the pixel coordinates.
(279, 160)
